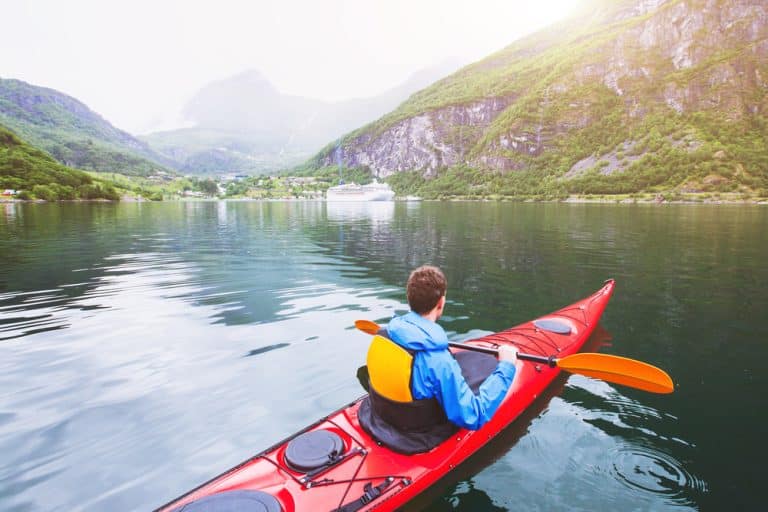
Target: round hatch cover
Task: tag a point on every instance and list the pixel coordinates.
(234, 501)
(555, 326)
(313, 450)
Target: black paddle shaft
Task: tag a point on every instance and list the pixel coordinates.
(550, 361)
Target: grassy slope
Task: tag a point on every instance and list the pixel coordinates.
(68, 130)
(37, 175)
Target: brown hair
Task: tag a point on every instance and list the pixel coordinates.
(425, 286)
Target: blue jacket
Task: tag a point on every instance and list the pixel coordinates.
(437, 374)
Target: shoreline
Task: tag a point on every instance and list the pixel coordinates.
(604, 199)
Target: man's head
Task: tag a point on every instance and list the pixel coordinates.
(426, 287)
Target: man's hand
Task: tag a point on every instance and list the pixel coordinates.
(508, 353)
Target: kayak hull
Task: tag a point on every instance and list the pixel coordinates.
(390, 479)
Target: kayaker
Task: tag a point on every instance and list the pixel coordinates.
(419, 394)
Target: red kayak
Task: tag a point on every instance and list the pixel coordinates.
(334, 465)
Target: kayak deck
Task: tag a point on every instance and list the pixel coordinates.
(360, 474)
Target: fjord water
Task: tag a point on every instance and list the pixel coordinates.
(145, 348)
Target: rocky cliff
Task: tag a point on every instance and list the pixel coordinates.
(593, 86)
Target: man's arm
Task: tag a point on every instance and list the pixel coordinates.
(461, 405)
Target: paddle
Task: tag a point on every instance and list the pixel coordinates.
(616, 369)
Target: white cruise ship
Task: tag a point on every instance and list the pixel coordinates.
(352, 192)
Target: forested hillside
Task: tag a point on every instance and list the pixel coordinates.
(624, 97)
(71, 132)
(33, 174)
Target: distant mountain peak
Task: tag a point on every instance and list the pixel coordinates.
(231, 103)
(252, 75)
(243, 124)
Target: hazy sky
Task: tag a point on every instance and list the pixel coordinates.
(137, 62)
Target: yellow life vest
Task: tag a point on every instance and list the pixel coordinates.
(389, 369)
(390, 414)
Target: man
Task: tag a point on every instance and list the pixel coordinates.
(435, 372)
(418, 393)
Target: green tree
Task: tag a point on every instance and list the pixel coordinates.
(45, 192)
(208, 187)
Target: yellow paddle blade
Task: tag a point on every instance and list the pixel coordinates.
(620, 370)
(367, 326)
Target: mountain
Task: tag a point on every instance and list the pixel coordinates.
(32, 172)
(622, 97)
(244, 124)
(71, 132)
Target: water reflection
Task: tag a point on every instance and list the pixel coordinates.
(9, 210)
(636, 452)
(466, 496)
(261, 350)
(377, 212)
(111, 353)
(136, 342)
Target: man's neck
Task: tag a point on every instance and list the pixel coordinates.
(432, 315)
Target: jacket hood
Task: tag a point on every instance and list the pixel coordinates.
(414, 332)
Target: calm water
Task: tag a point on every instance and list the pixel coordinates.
(145, 348)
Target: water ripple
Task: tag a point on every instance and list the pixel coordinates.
(613, 412)
(26, 313)
(646, 469)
